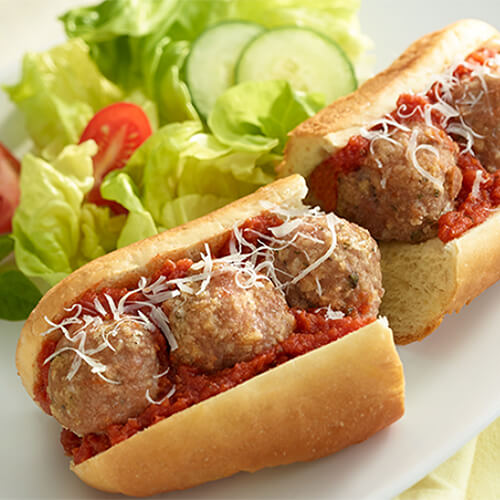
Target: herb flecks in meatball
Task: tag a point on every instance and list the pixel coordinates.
(226, 321)
(349, 279)
(405, 183)
(85, 402)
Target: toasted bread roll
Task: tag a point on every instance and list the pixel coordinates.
(305, 408)
(423, 281)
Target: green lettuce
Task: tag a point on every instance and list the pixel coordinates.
(18, 295)
(186, 19)
(181, 173)
(139, 223)
(144, 44)
(59, 92)
(54, 230)
(178, 174)
(131, 50)
(257, 116)
(6, 246)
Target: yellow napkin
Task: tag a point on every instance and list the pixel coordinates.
(472, 474)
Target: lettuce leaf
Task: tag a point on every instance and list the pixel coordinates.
(59, 92)
(55, 232)
(6, 246)
(139, 223)
(144, 44)
(18, 295)
(178, 19)
(257, 116)
(186, 19)
(99, 232)
(181, 173)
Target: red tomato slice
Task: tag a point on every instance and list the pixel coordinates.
(9, 188)
(118, 130)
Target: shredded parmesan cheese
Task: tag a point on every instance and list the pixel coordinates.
(162, 374)
(330, 220)
(411, 153)
(330, 314)
(161, 321)
(254, 265)
(167, 396)
(477, 184)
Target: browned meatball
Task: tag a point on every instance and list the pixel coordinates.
(88, 403)
(396, 199)
(225, 323)
(478, 102)
(348, 280)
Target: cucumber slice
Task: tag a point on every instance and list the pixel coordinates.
(210, 64)
(310, 61)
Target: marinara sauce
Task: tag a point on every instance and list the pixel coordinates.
(312, 330)
(473, 205)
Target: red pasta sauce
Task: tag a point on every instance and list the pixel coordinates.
(193, 385)
(472, 207)
(323, 180)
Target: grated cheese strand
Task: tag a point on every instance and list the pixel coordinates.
(330, 314)
(477, 183)
(167, 396)
(330, 219)
(412, 156)
(161, 321)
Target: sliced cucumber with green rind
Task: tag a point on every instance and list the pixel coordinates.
(310, 61)
(210, 64)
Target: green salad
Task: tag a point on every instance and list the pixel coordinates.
(156, 112)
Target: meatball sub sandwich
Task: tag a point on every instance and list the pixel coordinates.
(413, 156)
(245, 339)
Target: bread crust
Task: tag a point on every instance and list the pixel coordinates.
(309, 407)
(474, 258)
(477, 261)
(473, 263)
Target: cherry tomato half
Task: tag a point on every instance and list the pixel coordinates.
(118, 130)
(9, 188)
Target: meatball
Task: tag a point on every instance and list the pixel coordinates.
(348, 280)
(403, 185)
(87, 403)
(226, 323)
(479, 108)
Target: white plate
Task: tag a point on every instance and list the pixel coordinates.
(452, 377)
